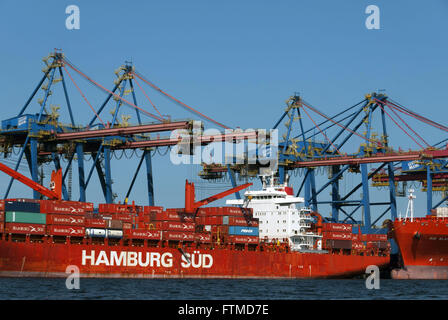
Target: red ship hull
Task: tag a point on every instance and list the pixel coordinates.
(103, 261)
(423, 247)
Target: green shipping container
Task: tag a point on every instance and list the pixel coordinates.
(25, 217)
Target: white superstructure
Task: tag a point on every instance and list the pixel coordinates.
(279, 218)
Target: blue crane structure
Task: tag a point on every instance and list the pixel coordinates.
(299, 149)
(43, 138)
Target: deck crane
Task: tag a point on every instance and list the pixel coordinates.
(55, 191)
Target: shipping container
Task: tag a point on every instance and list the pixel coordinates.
(114, 224)
(203, 237)
(178, 236)
(114, 233)
(73, 231)
(357, 245)
(336, 235)
(2, 216)
(127, 225)
(94, 232)
(239, 221)
(25, 217)
(377, 244)
(338, 244)
(125, 217)
(221, 230)
(210, 220)
(24, 228)
(230, 211)
(175, 226)
(152, 209)
(22, 206)
(65, 219)
(376, 237)
(337, 227)
(118, 208)
(243, 231)
(173, 216)
(2, 227)
(243, 239)
(143, 234)
(96, 223)
(2, 205)
(65, 207)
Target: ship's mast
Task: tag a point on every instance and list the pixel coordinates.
(410, 209)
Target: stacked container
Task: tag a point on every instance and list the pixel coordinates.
(22, 216)
(337, 235)
(66, 218)
(230, 224)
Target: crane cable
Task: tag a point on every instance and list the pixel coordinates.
(147, 97)
(321, 131)
(409, 127)
(82, 94)
(178, 101)
(400, 126)
(340, 125)
(114, 94)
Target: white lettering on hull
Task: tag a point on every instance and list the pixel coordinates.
(145, 259)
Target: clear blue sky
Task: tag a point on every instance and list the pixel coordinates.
(236, 61)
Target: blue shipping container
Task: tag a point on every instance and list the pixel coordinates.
(22, 206)
(243, 231)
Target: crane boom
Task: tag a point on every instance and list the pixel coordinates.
(191, 205)
(56, 178)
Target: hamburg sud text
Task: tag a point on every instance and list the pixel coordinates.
(145, 259)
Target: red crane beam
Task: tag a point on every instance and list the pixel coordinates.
(203, 140)
(34, 185)
(157, 127)
(381, 157)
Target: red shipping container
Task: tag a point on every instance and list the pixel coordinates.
(142, 234)
(24, 228)
(238, 221)
(254, 222)
(179, 236)
(67, 207)
(203, 237)
(65, 219)
(152, 209)
(2, 205)
(211, 220)
(143, 219)
(376, 237)
(73, 231)
(96, 223)
(2, 227)
(173, 216)
(2, 216)
(123, 217)
(338, 244)
(175, 226)
(127, 225)
(220, 229)
(337, 235)
(357, 245)
(243, 239)
(337, 227)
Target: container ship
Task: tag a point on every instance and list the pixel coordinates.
(262, 236)
(423, 244)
